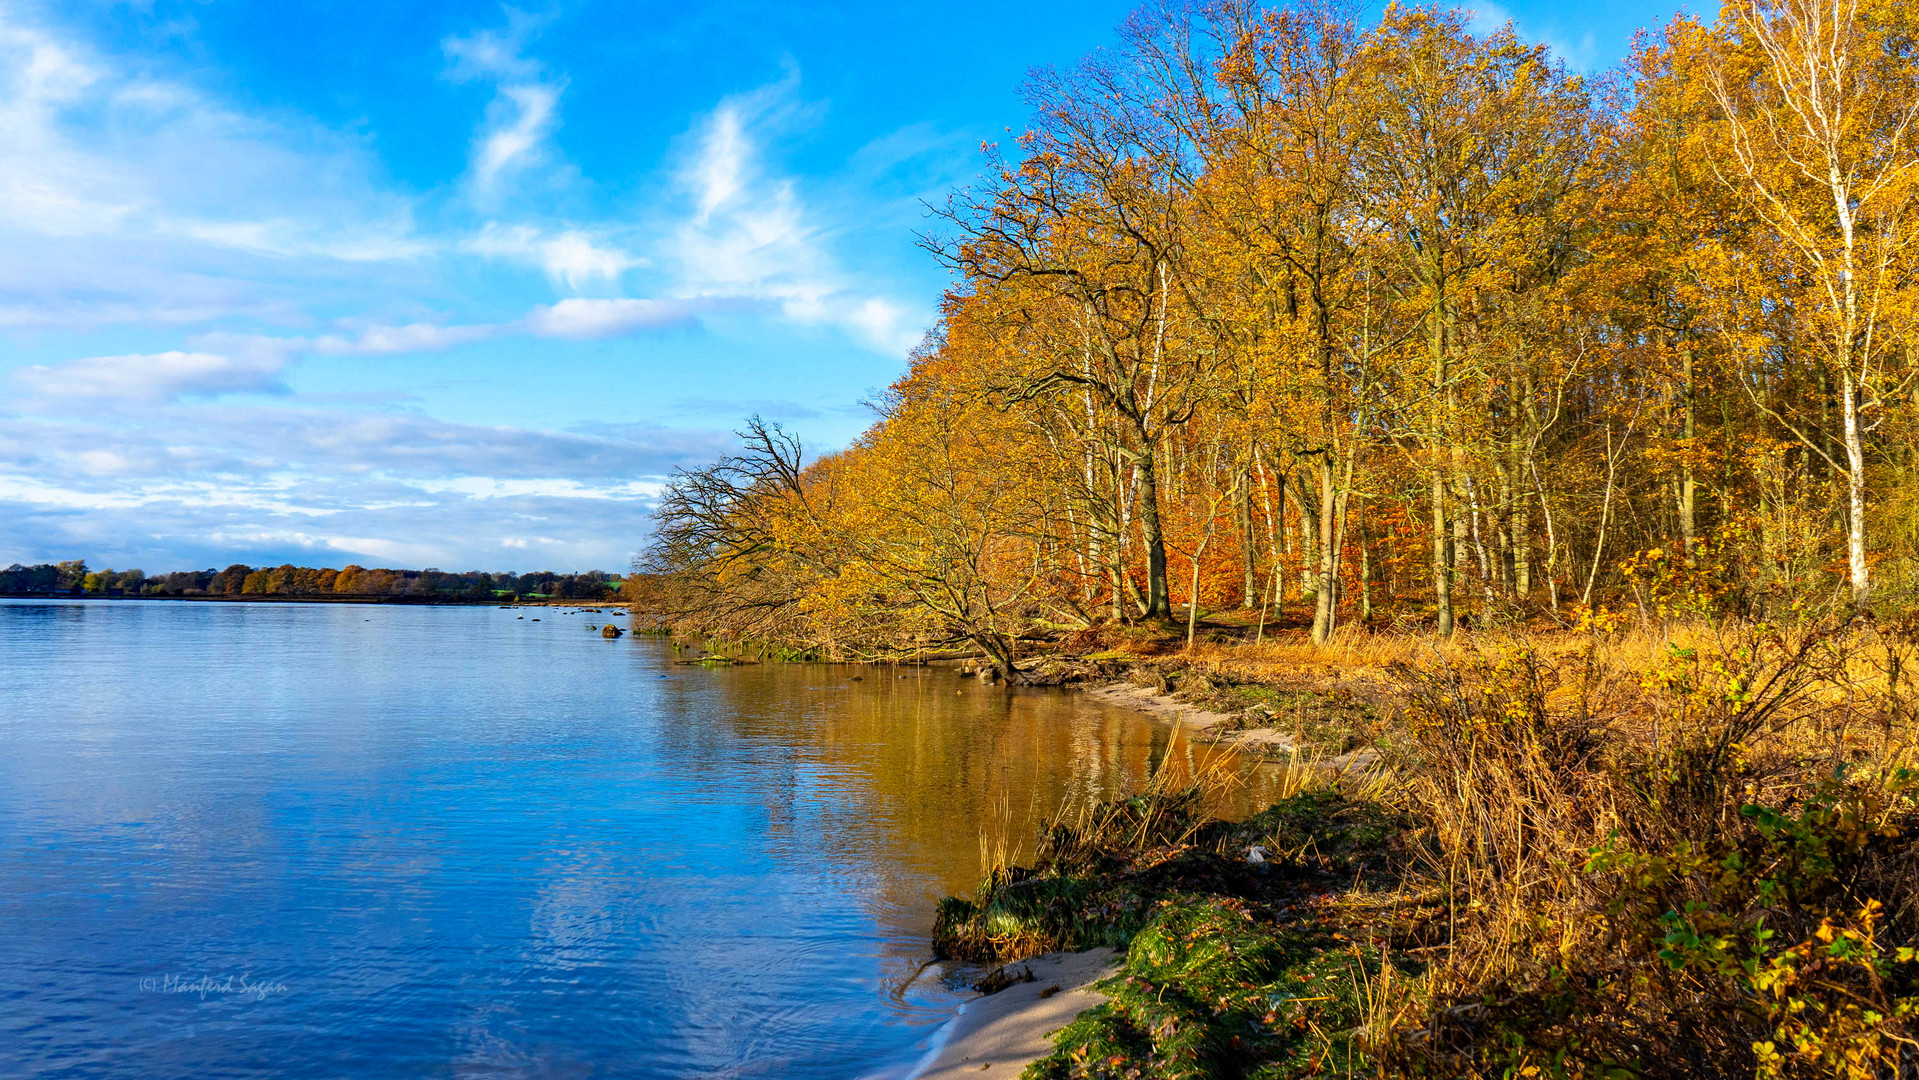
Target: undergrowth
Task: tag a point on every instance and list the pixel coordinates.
(1600, 855)
(1232, 968)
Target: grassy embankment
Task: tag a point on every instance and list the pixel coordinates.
(1681, 851)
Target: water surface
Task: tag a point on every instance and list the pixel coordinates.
(284, 840)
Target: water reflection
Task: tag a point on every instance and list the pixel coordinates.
(469, 843)
(924, 776)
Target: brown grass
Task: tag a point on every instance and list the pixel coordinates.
(1531, 760)
(1528, 758)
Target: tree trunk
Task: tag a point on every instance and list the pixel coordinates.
(1324, 580)
(1460, 539)
(1687, 487)
(1522, 520)
(1502, 520)
(1308, 544)
(1444, 550)
(1275, 529)
(1442, 558)
(1192, 597)
(1365, 576)
(999, 651)
(1248, 541)
(1488, 572)
(1856, 500)
(1159, 603)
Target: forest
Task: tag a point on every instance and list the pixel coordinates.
(1528, 458)
(304, 582)
(1405, 323)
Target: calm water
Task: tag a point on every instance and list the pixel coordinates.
(337, 841)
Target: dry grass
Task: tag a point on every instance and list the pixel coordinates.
(1350, 648)
(1582, 791)
(1681, 849)
(1633, 849)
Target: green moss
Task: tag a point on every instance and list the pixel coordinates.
(1231, 970)
(1207, 991)
(1326, 832)
(1009, 919)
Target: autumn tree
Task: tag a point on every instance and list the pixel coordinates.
(1474, 140)
(735, 541)
(942, 519)
(1083, 235)
(1293, 248)
(1819, 100)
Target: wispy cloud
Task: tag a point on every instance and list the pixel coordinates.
(178, 261)
(574, 258)
(411, 338)
(525, 107)
(127, 197)
(159, 376)
(263, 481)
(582, 318)
(751, 235)
(230, 363)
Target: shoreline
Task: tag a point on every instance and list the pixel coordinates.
(1001, 1033)
(1181, 714)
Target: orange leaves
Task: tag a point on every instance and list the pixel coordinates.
(1486, 326)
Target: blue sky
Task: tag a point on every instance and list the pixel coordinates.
(457, 285)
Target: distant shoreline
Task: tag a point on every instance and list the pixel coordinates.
(255, 598)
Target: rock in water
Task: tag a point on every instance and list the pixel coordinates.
(610, 631)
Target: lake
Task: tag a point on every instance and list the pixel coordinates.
(289, 840)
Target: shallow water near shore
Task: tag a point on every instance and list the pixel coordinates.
(280, 840)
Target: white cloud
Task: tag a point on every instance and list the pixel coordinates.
(158, 376)
(580, 318)
(525, 106)
(126, 196)
(489, 487)
(172, 484)
(573, 257)
(1486, 18)
(229, 363)
(255, 240)
(392, 552)
(411, 338)
(751, 236)
(886, 324)
(748, 234)
(287, 237)
(40, 180)
(492, 54)
(518, 121)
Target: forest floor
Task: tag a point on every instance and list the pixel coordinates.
(1685, 850)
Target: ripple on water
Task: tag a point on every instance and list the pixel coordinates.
(275, 840)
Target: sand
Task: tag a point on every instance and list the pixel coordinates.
(1201, 721)
(1000, 1034)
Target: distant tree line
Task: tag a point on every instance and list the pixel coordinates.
(74, 578)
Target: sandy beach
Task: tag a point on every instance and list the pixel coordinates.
(1000, 1034)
